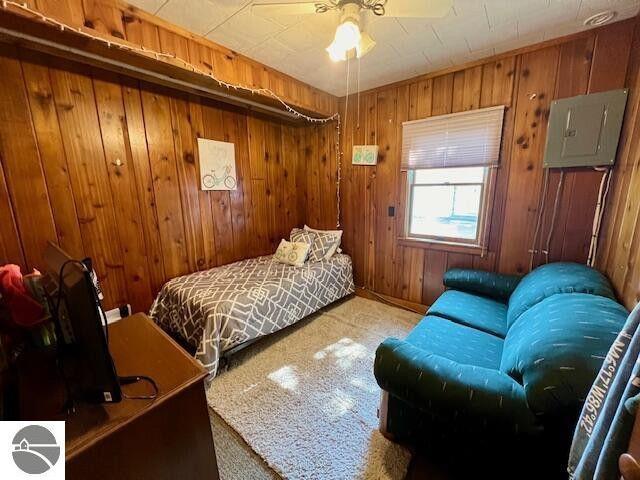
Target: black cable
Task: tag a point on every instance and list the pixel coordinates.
(69, 405)
(60, 278)
(128, 380)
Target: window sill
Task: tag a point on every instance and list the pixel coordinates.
(443, 246)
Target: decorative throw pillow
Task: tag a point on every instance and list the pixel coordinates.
(299, 235)
(292, 253)
(321, 243)
(335, 233)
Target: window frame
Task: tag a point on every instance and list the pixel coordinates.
(479, 244)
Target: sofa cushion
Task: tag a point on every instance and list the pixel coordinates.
(557, 346)
(456, 342)
(489, 284)
(548, 280)
(474, 311)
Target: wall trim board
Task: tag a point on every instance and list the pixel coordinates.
(389, 300)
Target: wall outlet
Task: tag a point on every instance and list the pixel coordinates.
(119, 313)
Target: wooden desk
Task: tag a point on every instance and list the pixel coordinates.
(166, 438)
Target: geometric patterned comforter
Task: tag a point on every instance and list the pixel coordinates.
(218, 309)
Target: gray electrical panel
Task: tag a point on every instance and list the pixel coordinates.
(584, 130)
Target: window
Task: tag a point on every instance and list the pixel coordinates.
(446, 203)
(449, 161)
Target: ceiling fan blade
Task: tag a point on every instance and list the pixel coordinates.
(283, 8)
(422, 8)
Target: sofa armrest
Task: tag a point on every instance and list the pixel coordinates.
(490, 284)
(426, 380)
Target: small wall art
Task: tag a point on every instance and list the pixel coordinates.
(217, 165)
(365, 155)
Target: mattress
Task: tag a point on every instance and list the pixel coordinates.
(218, 309)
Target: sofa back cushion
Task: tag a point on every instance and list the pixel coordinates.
(557, 346)
(554, 278)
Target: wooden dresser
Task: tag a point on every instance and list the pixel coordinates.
(166, 438)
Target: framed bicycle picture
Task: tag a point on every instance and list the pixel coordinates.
(217, 165)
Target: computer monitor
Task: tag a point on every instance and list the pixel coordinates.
(87, 364)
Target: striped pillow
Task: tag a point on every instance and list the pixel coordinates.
(321, 243)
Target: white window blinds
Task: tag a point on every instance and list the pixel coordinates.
(465, 139)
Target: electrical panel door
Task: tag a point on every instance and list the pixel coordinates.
(584, 130)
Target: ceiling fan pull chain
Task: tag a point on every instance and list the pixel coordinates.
(358, 87)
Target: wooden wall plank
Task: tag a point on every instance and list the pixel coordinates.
(290, 148)
(442, 97)
(327, 170)
(498, 82)
(371, 209)
(243, 222)
(21, 163)
(620, 239)
(574, 69)
(10, 247)
(220, 200)
(141, 32)
(256, 136)
(144, 182)
(207, 226)
(386, 178)
(537, 76)
(185, 143)
(234, 130)
(67, 11)
(611, 57)
(275, 185)
(104, 16)
(472, 88)
(115, 139)
(52, 154)
(159, 134)
(80, 129)
(311, 154)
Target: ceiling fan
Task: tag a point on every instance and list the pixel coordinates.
(350, 37)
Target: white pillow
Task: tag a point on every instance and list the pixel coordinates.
(336, 247)
(292, 253)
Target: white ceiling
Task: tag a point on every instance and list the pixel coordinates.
(406, 47)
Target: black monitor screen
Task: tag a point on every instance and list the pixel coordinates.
(90, 368)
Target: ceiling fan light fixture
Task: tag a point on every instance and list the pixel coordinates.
(347, 38)
(365, 45)
(336, 53)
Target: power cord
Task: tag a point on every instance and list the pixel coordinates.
(128, 380)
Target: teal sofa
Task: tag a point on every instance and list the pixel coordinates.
(500, 352)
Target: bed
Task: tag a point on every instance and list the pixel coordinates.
(216, 310)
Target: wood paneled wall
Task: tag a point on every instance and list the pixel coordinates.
(619, 255)
(64, 126)
(526, 83)
(117, 20)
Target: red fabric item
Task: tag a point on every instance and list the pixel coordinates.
(24, 310)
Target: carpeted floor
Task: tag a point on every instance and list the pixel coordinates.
(302, 404)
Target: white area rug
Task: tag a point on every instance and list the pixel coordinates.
(305, 400)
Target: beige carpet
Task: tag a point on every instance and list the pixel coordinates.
(305, 400)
